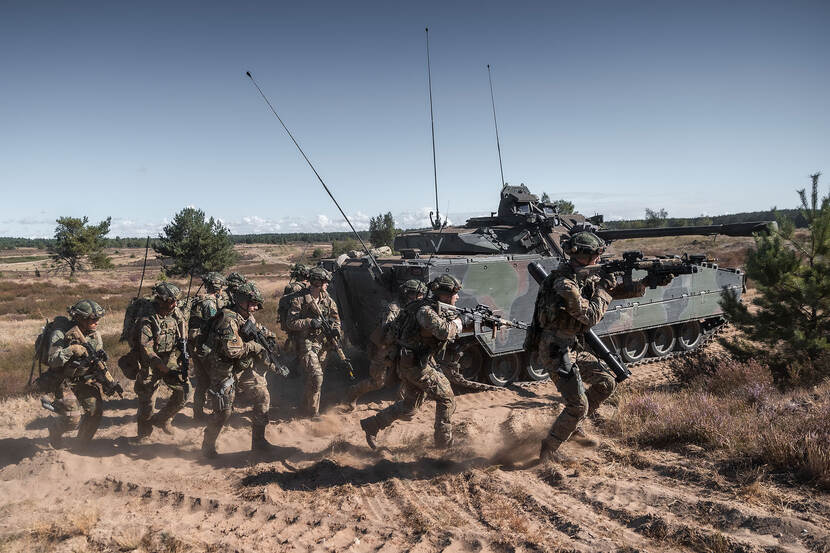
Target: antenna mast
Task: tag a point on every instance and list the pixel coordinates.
(436, 223)
(496, 124)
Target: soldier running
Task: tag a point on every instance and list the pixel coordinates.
(423, 331)
(159, 339)
(230, 365)
(204, 309)
(568, 304)
(72, 345)
(309, 313)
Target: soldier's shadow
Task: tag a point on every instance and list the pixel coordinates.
(327, 473)
(14, 450)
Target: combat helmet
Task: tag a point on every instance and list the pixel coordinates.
(246, 292)
(412, 287)
(299, 271)
(86, 309)
(166, 291)
(583, 242)
(213, 281)
(319, 273)
(235, 279)
(445, 284)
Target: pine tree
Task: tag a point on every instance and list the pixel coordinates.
(78, 243)
(791, 325)
(382, 230)
(193, 245)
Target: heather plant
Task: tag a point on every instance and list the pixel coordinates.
(790, 326)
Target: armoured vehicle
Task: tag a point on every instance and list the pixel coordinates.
(491, 255)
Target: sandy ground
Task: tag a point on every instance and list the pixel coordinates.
(323, 489)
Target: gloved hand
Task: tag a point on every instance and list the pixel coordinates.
(608, 282)
(253, 348)
(77, 350)
(664, 280)
(316, 324)
(467, 319)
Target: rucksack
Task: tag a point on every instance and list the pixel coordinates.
(139, 308)
(41, 353)
(284, 305)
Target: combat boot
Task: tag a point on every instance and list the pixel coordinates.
(258, 440)
(163, 424)
(443, 442)
(549, 452)
(370, 428)
(583, 438)
(145, 429)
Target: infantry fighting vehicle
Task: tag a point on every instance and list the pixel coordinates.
(491, 255)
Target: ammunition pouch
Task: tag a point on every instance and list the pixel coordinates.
(565, 368)
(223, 393)
(48, 382)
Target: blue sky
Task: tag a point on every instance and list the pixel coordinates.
(136, 110)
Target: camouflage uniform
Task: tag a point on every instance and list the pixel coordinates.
(72, 395)
(232, 357)
(203, 310)
(299, 274)
(310, 341)
(381, 353)
(423, 332)
(158, 340)
(568, 305)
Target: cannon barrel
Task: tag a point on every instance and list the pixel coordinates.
(732, 229)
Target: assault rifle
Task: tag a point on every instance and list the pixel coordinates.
(97, 362)
(613, 361)
(484, 314)
(658, 270)
(252, 332)
(333, 335)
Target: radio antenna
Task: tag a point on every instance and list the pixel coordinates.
(495, 123)
(372, 261)
(436, 223)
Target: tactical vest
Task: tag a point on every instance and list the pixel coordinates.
(551, 311)
(410, 335)
(165, 331)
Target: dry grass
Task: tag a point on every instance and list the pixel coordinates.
(733, 408)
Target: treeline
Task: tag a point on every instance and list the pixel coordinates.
(793, 215)
(10, 243)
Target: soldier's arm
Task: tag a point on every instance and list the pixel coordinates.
(586, 311)
(60, 351)
(437, 325)
(633, 289)
(231, 344)
(147, 347)
(295, 321)
(334, 316)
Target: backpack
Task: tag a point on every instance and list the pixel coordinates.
(41, 353)
(138, 309)
(285, 304)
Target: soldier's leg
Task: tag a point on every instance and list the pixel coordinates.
(437, 387)
(201, 382)
(174, 404)
(601, 384)
(576, 408)
(313, 373)
(220, 414)
(68, 414)
(253, 389)
(93, 405)
(378, 371)
(145, 388)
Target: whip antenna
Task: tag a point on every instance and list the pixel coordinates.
(343, 213)
(436, 224)
(495, 123)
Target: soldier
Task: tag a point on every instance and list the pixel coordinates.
(159, 339)
(230, 365)
(568, 304)
(422, 332)
(70, 350)
(310, 312)
(203, 310)
(381, 348)
(235, 279)
(298, 283)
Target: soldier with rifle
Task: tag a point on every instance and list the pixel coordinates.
(235, 342)
(77, 361)
(163, 358)
(571, 300)
(298, 283)
(203, 310)
(313, 316)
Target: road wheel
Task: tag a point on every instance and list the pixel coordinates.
(662, 341)
(504, 369)
(472, 361)
(689, 335)
(536, 373)
(634, 346)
